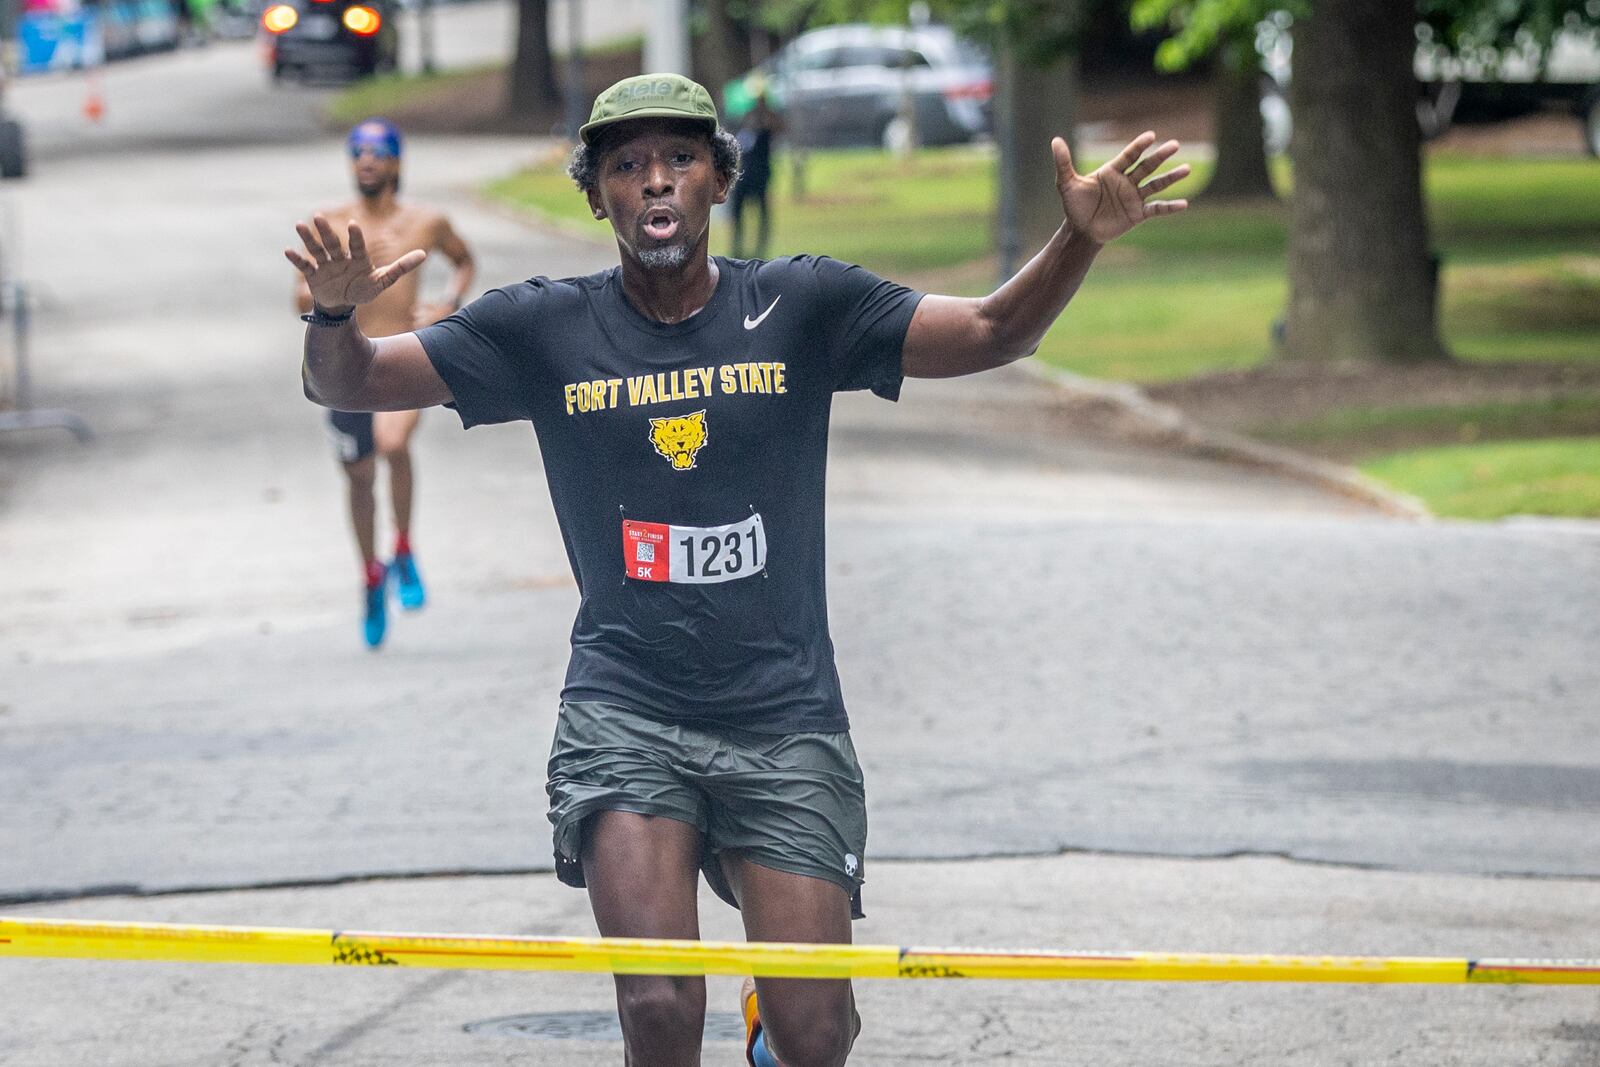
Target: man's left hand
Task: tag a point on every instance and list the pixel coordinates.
(1111, 201)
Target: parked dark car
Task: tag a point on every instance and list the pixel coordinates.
(844, 85)
(13, 148)
(324, 38)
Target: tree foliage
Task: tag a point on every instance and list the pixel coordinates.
(1480, 28)
(1197, 28)
(1467, 26)
(1043, 31)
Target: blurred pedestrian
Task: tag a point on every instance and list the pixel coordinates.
(361, 437)
(681, 403)
(761, 124)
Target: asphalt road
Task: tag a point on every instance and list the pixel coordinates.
(1048, 642)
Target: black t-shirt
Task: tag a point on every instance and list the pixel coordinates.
(686, 463)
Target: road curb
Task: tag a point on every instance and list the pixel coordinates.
(1164, 426)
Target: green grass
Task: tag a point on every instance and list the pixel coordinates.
(388, 92)
(1198, 292)
(1554, 477)
(931, 212)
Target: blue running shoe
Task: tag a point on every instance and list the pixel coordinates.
(377, 620)
(408, 581)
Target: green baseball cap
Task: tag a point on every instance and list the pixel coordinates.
(650, 96)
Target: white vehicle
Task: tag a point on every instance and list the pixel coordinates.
(1486, 85)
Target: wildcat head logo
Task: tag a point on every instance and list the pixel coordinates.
(680, 438)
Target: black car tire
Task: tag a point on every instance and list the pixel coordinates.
(13, 150)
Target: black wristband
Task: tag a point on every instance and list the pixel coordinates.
(319, 317)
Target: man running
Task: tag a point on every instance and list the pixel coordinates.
(681, 404)
(390, 227)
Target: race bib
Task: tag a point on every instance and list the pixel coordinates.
(696, 555)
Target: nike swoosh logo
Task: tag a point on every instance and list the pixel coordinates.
(751, 324)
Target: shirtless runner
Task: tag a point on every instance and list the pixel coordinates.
(391, 228)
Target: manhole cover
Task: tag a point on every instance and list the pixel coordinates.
(591, 1026)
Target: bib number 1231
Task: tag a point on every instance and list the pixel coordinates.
(697, 555)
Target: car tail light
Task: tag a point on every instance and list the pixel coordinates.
(279, 17)
(979, 91)
(361, 20)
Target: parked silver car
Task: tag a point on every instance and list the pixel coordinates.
(844, 85)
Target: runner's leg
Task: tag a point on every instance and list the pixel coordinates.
(361, 474)
(808, 1022)
(643, 872)
(391, 433)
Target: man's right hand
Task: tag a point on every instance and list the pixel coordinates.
(340, 280)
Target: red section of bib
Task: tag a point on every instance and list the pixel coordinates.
(646, 551)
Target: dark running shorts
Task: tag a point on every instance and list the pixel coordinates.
(792, 802)
(352, 434)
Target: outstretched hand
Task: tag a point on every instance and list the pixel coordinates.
(340, 279)
(1112, 200)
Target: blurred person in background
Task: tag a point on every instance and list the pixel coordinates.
(362, 437)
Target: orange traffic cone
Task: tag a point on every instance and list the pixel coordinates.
(94, 104)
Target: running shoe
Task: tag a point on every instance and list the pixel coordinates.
(377, 617)
(756, 1052)
(408, 581)
(752, 1018)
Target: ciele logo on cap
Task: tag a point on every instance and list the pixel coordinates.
(645, 89)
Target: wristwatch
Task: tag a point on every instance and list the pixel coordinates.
(319, 317)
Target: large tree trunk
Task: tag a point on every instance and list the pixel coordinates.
(532, 84)
(720, 50)
(1032, 105)
(1241, 168)
(1361, 279)
(1049, 98)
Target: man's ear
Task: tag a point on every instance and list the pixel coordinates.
(724, 187)
(595, 207)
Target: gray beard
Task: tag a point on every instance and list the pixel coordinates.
(669, 258)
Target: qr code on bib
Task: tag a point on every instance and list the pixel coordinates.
(646, 552)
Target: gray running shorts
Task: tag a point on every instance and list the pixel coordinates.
(792, 802)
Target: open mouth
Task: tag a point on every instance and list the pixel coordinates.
(660, 223)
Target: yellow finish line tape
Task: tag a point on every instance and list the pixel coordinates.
(244, 944)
